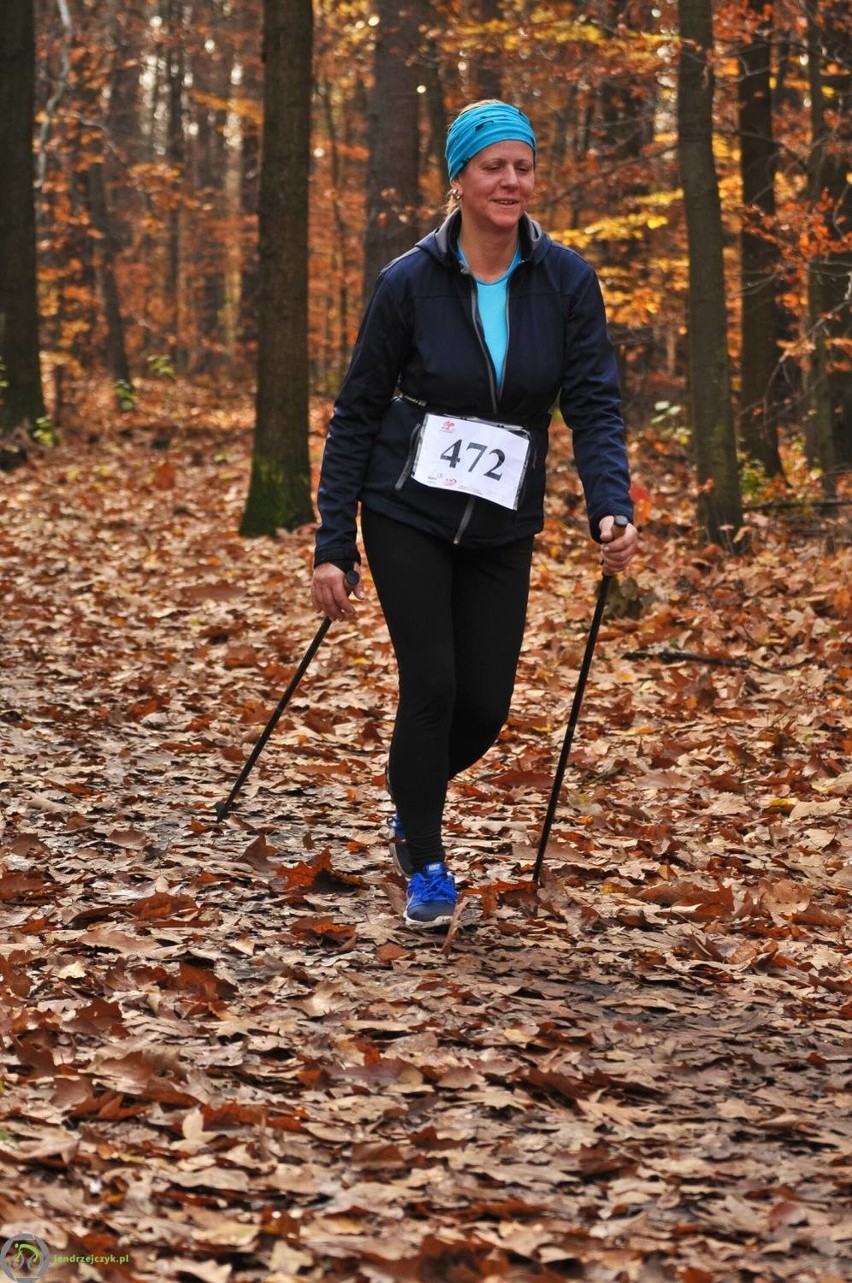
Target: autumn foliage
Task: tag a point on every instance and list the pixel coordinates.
(148, 144)
(224, 1057)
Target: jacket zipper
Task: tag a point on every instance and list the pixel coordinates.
(466, 516)
(412, 451)
(508, 339)
(474, 311)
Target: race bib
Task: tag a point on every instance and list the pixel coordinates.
(488, 460)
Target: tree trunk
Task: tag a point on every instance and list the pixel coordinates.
(280, 486)
(759, 264)
(488, 59)
(338, 287)
(627, 109)
(106, 249)
(249, 185)
(393, 166)
(830, 270)
(720, 502)
(21, 395)
(435, 82)
(211, 78)
(176, 156)
(126, 33)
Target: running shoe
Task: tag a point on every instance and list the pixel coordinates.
(399, 847)
(432, 897)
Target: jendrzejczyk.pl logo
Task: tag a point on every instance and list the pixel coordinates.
(24, 1256)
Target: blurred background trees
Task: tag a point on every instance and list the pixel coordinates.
(21, 399)
(148, 119)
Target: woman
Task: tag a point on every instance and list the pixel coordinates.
(440, 433)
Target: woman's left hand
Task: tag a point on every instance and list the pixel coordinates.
(616, 551)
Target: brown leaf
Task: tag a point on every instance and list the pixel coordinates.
(240, 657)
(325, 931)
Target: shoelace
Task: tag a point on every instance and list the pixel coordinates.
(434, 884)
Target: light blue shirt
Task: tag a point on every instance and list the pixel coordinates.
(493, 313)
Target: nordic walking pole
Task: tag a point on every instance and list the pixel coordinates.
(222, 808)
(620, 524)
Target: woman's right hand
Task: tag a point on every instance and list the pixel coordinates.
(330, 592)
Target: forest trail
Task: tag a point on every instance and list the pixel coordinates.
(225, 1058)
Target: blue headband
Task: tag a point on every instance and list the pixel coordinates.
(482, 125)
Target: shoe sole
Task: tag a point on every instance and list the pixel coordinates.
(393, 846)
(397, 863)
(434, 924)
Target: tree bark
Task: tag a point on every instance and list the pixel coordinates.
(759, 266)
(21, 395)
(720, 502)
(829, 436)
(211, 75)
(249, 188)
(487, 58)
(105, 257)
(280, 486)
(173, 25)
(90, 151)
(337, 307)
(393, 165)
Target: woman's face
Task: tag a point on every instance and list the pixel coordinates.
(496, 184)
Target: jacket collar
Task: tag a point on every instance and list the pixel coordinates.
(443, 242)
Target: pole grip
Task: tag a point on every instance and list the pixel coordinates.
(619, 525)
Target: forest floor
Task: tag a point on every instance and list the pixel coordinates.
(226, 1058)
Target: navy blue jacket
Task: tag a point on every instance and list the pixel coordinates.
(421, 346)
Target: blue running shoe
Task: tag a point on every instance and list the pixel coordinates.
(432, 897)
(399, 847)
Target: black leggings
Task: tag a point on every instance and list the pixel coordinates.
(456, 620)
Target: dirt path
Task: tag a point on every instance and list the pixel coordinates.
(224, 1056)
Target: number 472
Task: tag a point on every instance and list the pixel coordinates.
(452, 455)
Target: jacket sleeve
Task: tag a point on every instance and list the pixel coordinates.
(590, 403)
(383, 340)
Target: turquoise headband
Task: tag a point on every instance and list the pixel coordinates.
(482, 125)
